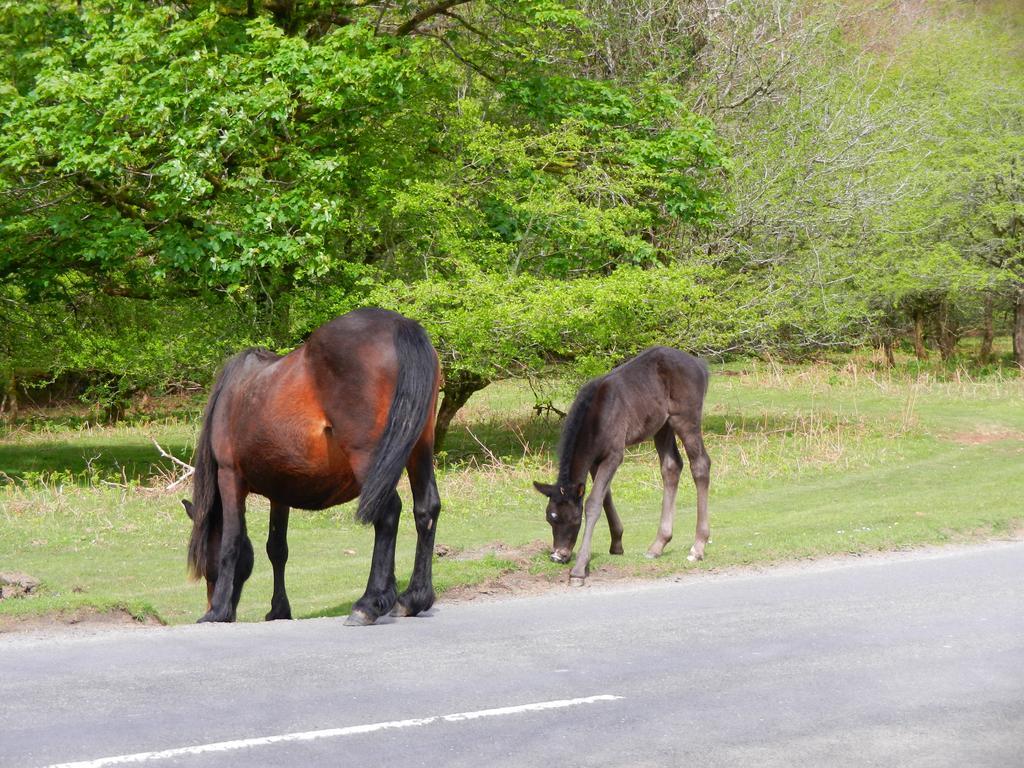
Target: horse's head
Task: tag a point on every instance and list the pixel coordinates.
(208, 552)
(565, 514)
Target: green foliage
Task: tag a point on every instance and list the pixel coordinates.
(191, 153)
(525, 176)
(159, 152)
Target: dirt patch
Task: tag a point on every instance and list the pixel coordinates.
(79, 619)
(518, 581)
(17, 584)
(986, 436)
(499, 549)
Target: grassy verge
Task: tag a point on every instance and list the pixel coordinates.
(807, 461)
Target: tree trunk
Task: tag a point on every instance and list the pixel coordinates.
(987, 331)
(949, 330)
(1018, 328)
(9, 399)
(890, 358)
(919, 349)
(456, 393)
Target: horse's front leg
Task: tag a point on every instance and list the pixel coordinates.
(277, 551)
(592, 509)
(614, 524)
(381, 590)
(614, 521)
(236, 555)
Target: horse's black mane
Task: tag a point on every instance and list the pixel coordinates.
(571, 429)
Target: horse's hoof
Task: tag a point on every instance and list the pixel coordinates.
(652, 555)
(358, 619)
(401, 611)
(278, 615)
(693, 558)
(577, 581)
(212, 618)
(616, 551)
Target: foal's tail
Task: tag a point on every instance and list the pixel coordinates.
(411, 406)
(206, 506)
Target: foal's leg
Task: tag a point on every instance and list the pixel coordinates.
(426, 506)
(671, 467)
(277, 551)
(381, 591)
(614, 522)
(236, 556)
(595, 501)
(700, 468)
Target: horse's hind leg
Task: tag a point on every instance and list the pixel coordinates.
(236, 555)
(671, 467)
(700, 468)
(381, 591)
(426, 506)
(277, 551)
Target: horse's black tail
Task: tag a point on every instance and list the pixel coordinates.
(206, 506)
(411, 406)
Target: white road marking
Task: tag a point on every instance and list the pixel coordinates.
(331, 733)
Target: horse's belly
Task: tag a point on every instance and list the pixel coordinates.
(308, 471)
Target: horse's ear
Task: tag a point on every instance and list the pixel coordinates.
(577, 491)
(545, 489)
(189, 509)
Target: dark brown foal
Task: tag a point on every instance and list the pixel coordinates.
(659, 394)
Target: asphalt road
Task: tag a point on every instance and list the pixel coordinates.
(909, 660)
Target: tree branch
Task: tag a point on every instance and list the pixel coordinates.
(410, 26)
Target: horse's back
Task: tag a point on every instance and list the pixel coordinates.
(302, 428)
(658, 384)
(676, 373)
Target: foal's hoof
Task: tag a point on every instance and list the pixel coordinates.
(577, 581)
(693, 557)
(652, 555)
(358, 619)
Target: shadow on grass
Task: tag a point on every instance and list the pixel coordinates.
(767, 423)
(495, 440)
(342, 609)
(509, 440)
(86, 464)
(505, 439)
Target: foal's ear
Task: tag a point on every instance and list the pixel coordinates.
(189, 509)
(545, 489)
(577, 491)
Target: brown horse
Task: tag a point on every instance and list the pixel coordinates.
(339, 417)
(659, 394)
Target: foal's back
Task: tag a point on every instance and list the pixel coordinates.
(659, 384)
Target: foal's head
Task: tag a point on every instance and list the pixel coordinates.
(565, 514)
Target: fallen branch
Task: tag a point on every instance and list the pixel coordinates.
(189, 470)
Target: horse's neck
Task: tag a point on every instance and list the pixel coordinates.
(576, 463)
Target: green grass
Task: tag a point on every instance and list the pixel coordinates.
(808, 461)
